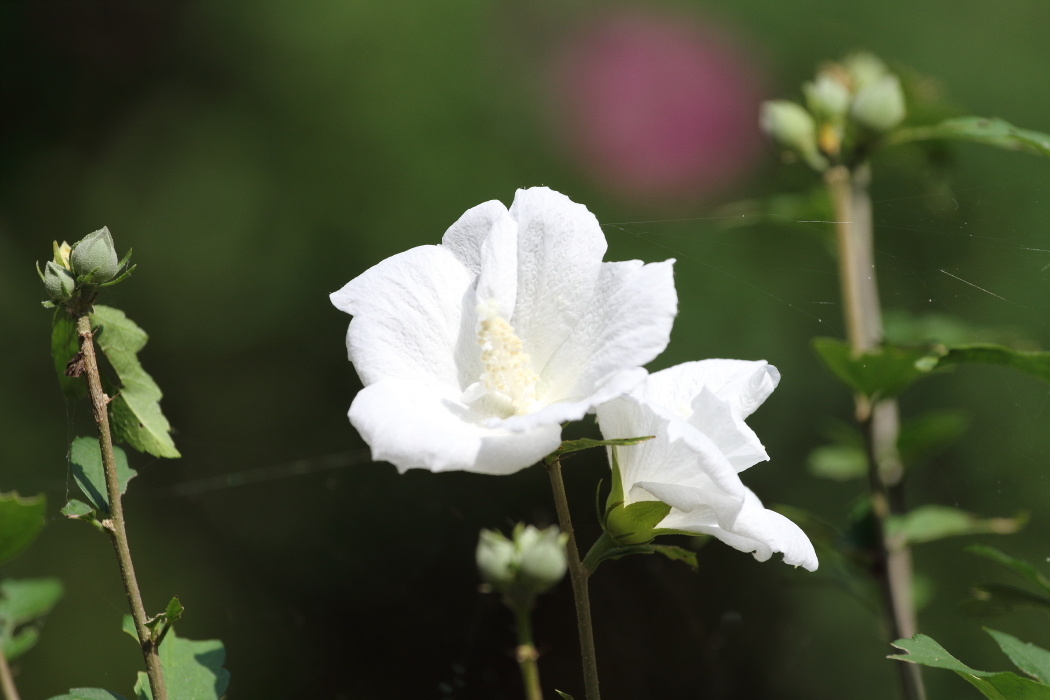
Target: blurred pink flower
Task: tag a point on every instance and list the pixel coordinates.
(658, 105)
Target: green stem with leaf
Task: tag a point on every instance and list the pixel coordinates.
(115, 523)
(578, 575)
(7, 679)
(880, 419)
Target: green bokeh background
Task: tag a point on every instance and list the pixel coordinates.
(257, 155)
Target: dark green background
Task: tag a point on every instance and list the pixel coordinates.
(257, 155)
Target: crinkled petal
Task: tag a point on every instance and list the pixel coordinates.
(716, 419)
(465, 237)
(560, 250)
(745, 385)
(628, 324)
(754, 529)
(498, 281)
(414, 426)
(409, 319)
(609, 387)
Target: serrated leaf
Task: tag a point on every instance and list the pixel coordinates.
(1036, 364)
(65, 343)
(990, 599)
(135, 412)
(85, 458)
(990, 131)
(1033, 660)
(837, 462)
(89, 694)
(880, 373)
(1018, 566)
(675, 553)
(192, 670)
(925, 436)
(23, 602)
(20, 522)
(925, 651)
(933, 522)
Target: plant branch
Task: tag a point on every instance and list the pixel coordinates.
(7, 679)
(880, 420)
(115, 523)
(578, 575)
(526, 654)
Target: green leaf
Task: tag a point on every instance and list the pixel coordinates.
(85, 457)
(563, 696)
(89, 694)
(925, 651)
(135, 412)
(1018, 566)
(677, 554)
(927, 435)
(880, 373)
(933, 522)
(1033, 660)
(65, 343)
(838, 462)
(20, 522)
(993, 132)
(1036, 364)
(192, 670)
(160, 624)
(990, 599)
(127, 625)
(587, 443)
(22, 603)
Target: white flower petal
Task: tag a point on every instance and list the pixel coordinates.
(745, 385)
(560, 250)
(628, 325)
(716, 419)
(498, 281)
(610, 387)
(410, 321)
(464, 238)
(412, 426)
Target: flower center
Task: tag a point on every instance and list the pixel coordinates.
(508, 372)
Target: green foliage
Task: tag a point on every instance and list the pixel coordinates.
(563, 696)
(192, 670)
(1036, 364)
(85, 457)
(135, 412)
(1018, 566)
(992, 132)
(586, 443)
(20, 522)
(925, 651)
(989, 599)
(933, 522)
(837, 462)
(880, 373)
(89, 694)
(65, 343)
(23, 603)
(925, 436)
(672, 552)
(1033, 660)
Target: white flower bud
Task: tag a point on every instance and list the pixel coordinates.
(525, 566)
(827, 97)
(95, 254)
(543, 559)
(496, 558)
(880, 105)
(864, 69)
(789, 124)
(59, 282)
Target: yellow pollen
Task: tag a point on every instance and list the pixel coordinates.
(507, 368)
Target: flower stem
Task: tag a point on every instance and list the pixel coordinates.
(526, 654)
(880, 421)
(578, 575)
(7, 680)
(115, 523)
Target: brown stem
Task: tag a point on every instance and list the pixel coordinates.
(579, 582)
(880, 421)
(7, 679)
(115, 523)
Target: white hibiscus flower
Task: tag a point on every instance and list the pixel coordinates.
(474, 352)
(696, 410)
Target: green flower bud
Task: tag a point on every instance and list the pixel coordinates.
(880, 105)
(497, 559)
(864, 69)
(95, 254)
(59, 282)
(792, 126)
(827, 97)
(542, 559)
(636, 523)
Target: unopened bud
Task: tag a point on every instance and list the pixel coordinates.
(61, 253)
(96, 255)
(59, 282)
(791, 125)
(827, 96)
(522, 567)
(543, 559)
(880, 105)
(496, 559)
(864, 69)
